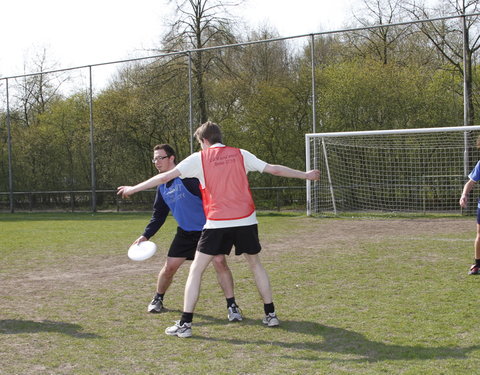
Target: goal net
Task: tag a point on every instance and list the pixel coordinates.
(408, 170)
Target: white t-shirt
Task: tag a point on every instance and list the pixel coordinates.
(192, 167)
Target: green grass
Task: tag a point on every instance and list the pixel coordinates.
(355, 296)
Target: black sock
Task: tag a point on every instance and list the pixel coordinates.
(158, 295)
(230, 302)
(186, 318)
(477, 262)
(268, 308)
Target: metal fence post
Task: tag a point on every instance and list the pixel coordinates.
(92, 147)
(190, 100)
(314, 99)
(466, 108)
(9, 141)
(314, 122)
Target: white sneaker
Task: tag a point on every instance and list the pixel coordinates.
(184, 330)
(271, 320)
(234, 314)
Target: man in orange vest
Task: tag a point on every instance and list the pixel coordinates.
(230, 212)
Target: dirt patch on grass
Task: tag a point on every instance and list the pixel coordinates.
(303, 233)
(331, 230)
(310, 233)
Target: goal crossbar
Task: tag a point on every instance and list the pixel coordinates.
(394, 131)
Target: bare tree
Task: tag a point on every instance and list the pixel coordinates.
(379, 42)
(200, 24)
(449, 39)
(38, 89)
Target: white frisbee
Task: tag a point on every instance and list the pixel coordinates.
(142, 251)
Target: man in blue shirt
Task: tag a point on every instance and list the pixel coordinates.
(474, 177)
(182, 197)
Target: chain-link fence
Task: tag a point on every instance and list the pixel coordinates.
(68, 137)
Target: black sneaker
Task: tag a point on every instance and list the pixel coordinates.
(474, 270)
(156, 305)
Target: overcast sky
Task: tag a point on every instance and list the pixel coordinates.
(97, 31)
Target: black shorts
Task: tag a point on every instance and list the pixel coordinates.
(221, 240)
(184, 244)
(478, 215)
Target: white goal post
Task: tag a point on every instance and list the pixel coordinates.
(401, 170)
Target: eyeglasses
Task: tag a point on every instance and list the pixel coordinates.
(154, 160)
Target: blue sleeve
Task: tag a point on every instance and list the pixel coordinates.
(160, 213)
(475, 174)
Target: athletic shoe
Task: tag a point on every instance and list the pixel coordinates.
(234, 314)
(271, 320)
(156, 305)
(474, 270)
(184, 330)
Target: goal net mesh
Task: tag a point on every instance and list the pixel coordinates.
(415, 170)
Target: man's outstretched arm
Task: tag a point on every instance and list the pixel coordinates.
(282, 171)
(159, 179)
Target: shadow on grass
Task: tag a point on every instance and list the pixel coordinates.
(14, 326)
(342, 341)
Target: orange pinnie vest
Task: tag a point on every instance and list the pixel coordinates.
(226, 195)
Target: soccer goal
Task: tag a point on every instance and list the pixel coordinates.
(407, 170)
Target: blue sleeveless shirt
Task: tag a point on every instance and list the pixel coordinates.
(475, 176)
(186, 208)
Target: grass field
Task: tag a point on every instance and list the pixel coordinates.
(355, 296)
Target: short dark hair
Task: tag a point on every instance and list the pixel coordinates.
(209, 131)
(167, 148)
